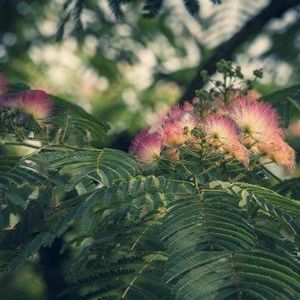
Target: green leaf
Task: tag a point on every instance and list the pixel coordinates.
(4, 217)
(286, 101)
(16, 172)
(121, 277)
(284, 209)
(30, 220)
(195, 223)
(233, 275)
(70, 117)
(104, 166)
(43, 239)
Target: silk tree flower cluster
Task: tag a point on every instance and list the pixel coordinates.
(241, 129)
(32, 102)
(173, 129)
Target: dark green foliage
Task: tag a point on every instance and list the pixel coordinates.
(78, 8)
(286, 101)
(131, 277)
(182, 231)
(99, 165)
(233, 275)
(217, 255)
(192, 6)
(30, 220)
(72, 11)
(290, 187)
(284, 209)
(152, 7)
(70, 118)
(195, 224)
(115, 6)
(16, 172)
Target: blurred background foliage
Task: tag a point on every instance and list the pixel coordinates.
(125, 69)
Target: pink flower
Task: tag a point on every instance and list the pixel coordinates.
(187, 107)
(173, 134)
(222, 132)
(258, 121)
(281, 153)
(147, 148)
(35, 103)
(177, 124)
(174, 113)
(260, 125)
(173, 129)
(234, 95)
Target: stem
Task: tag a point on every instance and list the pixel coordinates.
(180, 181)
(20, 144)
(144, 231)
(65, 129)
(136, 277)
(205, 171)
(238, 177)
(48, 146)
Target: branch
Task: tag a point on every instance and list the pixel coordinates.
(226, 50)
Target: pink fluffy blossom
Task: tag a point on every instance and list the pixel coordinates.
(281, 153)
(173, 134)
(258, 121)
(35, 103)
(245, 123)
(147, 148)
(177, 125)
(261, 130)
(222, 133)
(173, 129)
